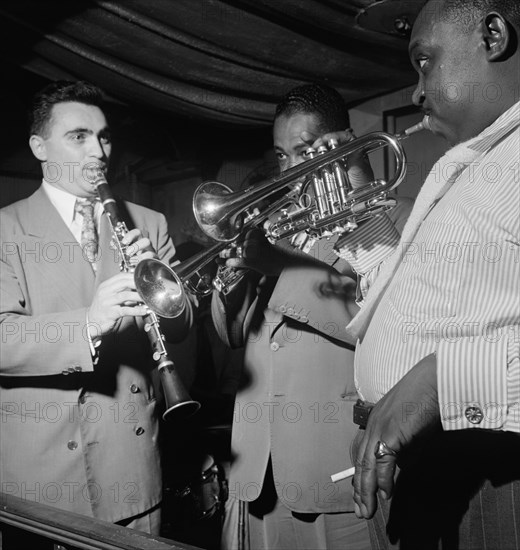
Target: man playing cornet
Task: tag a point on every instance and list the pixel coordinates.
(292, 425)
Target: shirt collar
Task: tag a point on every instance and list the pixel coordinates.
(502, 126)
(63, 201)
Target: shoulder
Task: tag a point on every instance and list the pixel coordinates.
(15, 213)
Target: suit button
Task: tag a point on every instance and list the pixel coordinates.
(134, 388)
(72, 445)
(275, 346)
(304, 319)
(474, 415)
(139, 431)
(282, 309)
(290, 311)
(82, 399)
(77, 368)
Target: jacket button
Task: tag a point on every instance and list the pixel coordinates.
(275, 346)
(474, 415)
(282, 309)
(139, 431)
(82, 399)
(134, 388)
(72, 445)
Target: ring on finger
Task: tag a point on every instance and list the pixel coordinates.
(382, 449)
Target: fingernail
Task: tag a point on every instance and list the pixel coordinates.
(364, 511)
(357, 511)
(383, 494)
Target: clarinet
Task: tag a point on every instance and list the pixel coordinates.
(178, 401)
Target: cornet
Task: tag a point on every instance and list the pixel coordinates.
(327, 202)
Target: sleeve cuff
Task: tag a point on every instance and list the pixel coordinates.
(473, 377)
(94, 339)
(370, 244)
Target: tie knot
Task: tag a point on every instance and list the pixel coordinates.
(85, 207)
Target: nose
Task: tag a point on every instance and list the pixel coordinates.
(98, 149)
(418, 94)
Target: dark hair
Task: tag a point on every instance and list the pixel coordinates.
(61, 91)
(467, 13)
(318, 99)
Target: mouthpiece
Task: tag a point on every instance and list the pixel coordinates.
(419, 127)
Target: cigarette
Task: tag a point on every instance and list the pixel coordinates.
(343, 474)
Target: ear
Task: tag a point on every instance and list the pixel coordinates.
(497, 36)
(37, 145)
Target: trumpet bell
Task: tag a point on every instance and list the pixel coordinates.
(211, 208)
(160, 288)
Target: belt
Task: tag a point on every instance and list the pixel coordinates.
(362, 411)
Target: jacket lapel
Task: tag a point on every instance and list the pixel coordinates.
(62, 264)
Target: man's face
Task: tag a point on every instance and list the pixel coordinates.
(77, 138)
(452, 75)
(289, 146)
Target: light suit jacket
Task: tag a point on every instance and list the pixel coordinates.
(74, 435)
(298, 390)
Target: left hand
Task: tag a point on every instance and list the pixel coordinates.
(358, 166)
(138, 247)
(409, 409)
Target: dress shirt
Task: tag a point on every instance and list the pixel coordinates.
(64, 203)
(456, 291)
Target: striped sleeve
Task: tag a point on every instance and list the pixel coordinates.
(478, 381)
(370, 244)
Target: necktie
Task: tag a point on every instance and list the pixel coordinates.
(89, 237)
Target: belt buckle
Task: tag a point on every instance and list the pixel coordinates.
(361, 413)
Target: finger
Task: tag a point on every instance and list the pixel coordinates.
(127, 297)
(358, 454)
(307, 137)
(385, 475)
(117, 283)
(131, 236)
(133, 311)
(367, 487)
(237, 263)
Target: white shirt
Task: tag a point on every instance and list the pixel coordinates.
(456, 293)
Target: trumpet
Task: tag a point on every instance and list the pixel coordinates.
(161, 291)
(327, 202)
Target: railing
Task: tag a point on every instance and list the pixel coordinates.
(75, 530)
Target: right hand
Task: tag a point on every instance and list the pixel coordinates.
(115, 298)
(258, 254)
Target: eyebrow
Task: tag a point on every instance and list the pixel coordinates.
(103, 131)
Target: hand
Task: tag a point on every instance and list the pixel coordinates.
(114, 298)
(137, 247)
(408, 410)
(257, 253)
(357, 164)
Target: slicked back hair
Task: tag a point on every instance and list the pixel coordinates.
(317, 99)
(61, 91)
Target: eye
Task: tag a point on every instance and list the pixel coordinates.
(77, 136)
(421, 61)
(280, 156)
(105, 140)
